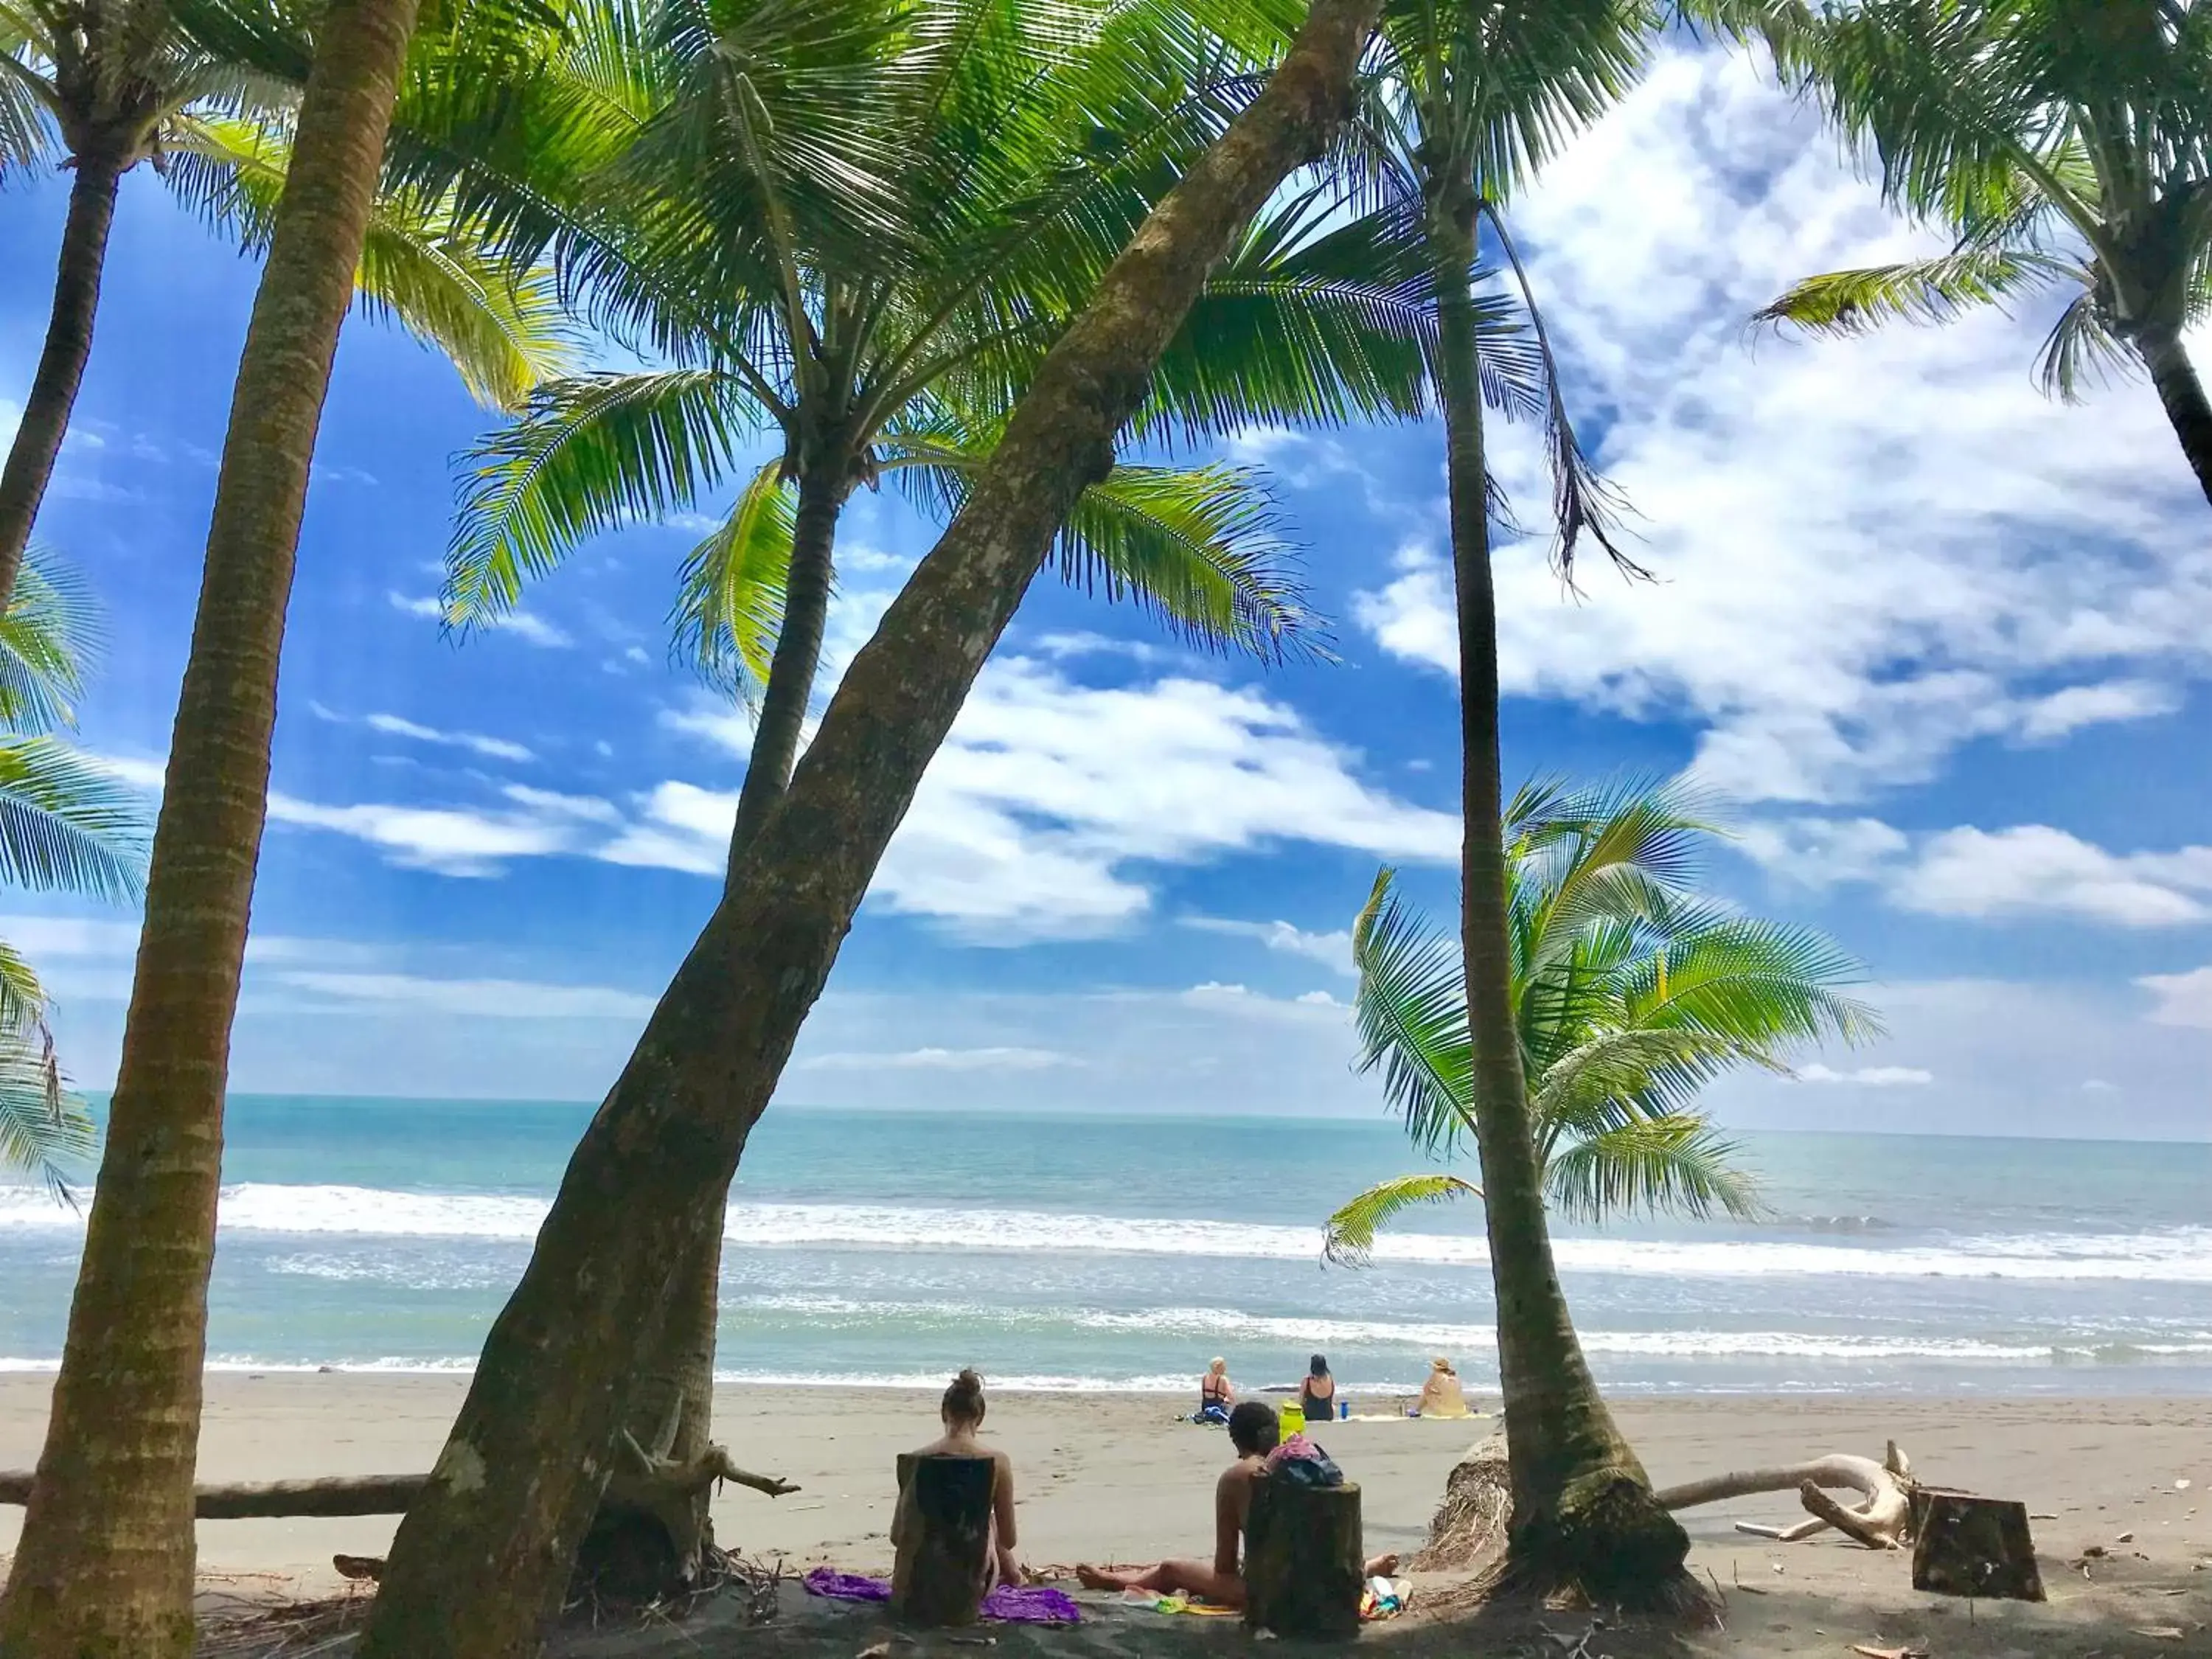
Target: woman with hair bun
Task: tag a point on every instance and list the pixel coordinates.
(962, 1412)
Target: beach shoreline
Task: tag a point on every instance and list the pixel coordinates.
(1117, 1477)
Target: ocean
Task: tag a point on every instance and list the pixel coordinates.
(1053, 1251)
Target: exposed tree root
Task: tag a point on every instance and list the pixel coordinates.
(1883, 1521)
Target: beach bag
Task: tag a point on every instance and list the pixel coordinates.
(1301, 1462)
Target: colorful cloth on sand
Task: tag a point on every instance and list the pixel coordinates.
(1382, 1599)
(1156, 1603)
(1006, 1604)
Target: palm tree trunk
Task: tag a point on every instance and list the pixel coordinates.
(2183, 395)
(1582, 1511)
(679, 1372)
(822, 492)
(478, 1563)
(105, 1562)
(61, 365)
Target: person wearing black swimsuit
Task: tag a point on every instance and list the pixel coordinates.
(1317, 1394)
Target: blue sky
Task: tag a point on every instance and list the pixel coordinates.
(1946, 644)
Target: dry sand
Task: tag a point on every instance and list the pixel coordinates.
(1117, 1477)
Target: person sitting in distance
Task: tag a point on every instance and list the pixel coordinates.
(1440, 1394)
(962, 1412)
(1254, 1431)
(1216, 1394)
(1317, 1394)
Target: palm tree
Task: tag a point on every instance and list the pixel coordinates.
(480, 1560)
(121, 81)
(105, 1564)
(65, 826)
(1010, 152)
(2063, 146)
(1465, 101)
(1629, 994)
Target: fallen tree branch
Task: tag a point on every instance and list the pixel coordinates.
(391, 1494)
(1882, 1521)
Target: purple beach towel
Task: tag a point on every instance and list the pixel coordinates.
(1007, 1604)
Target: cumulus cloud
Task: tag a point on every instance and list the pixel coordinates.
(1867, 1077)
(2182, 999)
(1870, 551)
(1331, 950)
(998, 1059)
(2027, 869)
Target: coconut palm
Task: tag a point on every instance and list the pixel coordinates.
(1631, 993)
(99, 88)
(1010, 152)
(1464, 103)
(106, 1561)
(479, 1562)
(65, 826)
(2063, 146)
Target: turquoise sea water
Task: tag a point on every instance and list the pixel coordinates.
(1052, 1250)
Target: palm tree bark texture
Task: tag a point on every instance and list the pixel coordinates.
(2182, 392)
(479, 1564)
(1583, 1509)
(52, 396)
(105, 1562)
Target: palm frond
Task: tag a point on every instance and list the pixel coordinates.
(1679, 1165)
(2081, 348)
(44, 1130)
(49, 636)
(591, 455)
(1916, 291)
(1349, 1238)
(729, 603)
(1411, 1012)
(68, 826)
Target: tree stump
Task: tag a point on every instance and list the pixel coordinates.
(1304, 1565)
(944, 1562)
(1970, 1546)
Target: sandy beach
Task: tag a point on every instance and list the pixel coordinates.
(1117, 1477)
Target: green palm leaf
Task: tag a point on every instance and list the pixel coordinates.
(1410, 1013)
(1675, 1164)
(1350, 1238)
(729, 605)
(49, 636)
(68, 826)
(43, 1129)
(591, 453)
(1916, 291)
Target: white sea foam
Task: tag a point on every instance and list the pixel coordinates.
(2180, 1254)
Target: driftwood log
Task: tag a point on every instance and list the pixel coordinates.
(1970, 1546)
(1882, 1521)
(943, 1563)
(1304, 1560)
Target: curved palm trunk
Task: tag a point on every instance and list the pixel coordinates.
(791, 670)
(478, 1563)
(61, 364)
(1583, 1510)
(104, 1566)
(2183, 395)
(678, 1374)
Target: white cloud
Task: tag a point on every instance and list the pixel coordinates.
(1331, 950)
(529, 628)
(394, 725)
(474, 999)
(2034, 868)
(2026, 870)
(2183, 999)
(1867, 1077)
(1047, 791)
(998, 1059)
(1870, 551)
(450, 840)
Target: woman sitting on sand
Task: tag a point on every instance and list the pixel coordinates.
(1440, 1394)
(1317, 1394)
(1254, 1431)
(1215, 1395)
(962, 1412)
